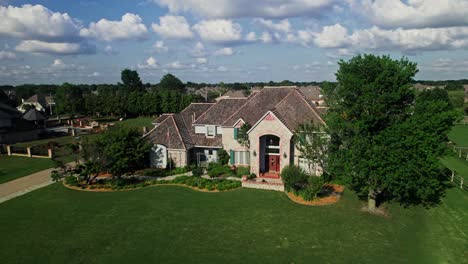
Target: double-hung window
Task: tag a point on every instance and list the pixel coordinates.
(210, 131)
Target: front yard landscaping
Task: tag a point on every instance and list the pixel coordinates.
(14, 167)
(171, 224)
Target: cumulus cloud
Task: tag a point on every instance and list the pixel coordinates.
(251, 36)
(37, 22)
(7, 55)
(59, 48)
(150, 63)
(282, 26)
(414, 13)
(224, 52)
(94, 74)
(219, 31)
(375, 38)
(160, 47)
(175, 27)
(247, 8)
(129, 27)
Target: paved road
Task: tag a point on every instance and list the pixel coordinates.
(20, 186)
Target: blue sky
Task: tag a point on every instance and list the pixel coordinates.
(84, 41)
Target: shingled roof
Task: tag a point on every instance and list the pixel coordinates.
(258, 104)
(311, 92)
(167, 133)
(219, 112)
(34, 115)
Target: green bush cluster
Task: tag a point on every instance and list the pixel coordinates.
(197, 172)
(217, 170)
(202, 183)
(163, 172)
(242, 171)
(298, 182)
(71, 180)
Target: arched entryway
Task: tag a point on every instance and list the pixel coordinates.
(270, 156)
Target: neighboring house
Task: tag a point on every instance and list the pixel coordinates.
(35, 116)
(42, 103)
(196, 134)
(13, 128)
(314, 94)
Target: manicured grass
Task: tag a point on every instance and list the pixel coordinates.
(169, 224)
(455, 163)
(459, 135)
(16, 167)
(138, 122)
(60, 140)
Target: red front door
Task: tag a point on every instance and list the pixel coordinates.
(273, 163)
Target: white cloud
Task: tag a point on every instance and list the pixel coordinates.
(199, 50)
(266, 37)
(202, 60)
(94, 74)
(36, 46)
(282, 26)
(415, 13)
(407, 40)
(150, 63)
(160, 47)
(224, 52)
(109, 50)
(173, 27)
(247, 8)
(129, 27)
(59, 65)
(251, 36)
(36, 22)
(331, 37)
(219, 30)
(176, 65)
(7, 55)
(446, 65)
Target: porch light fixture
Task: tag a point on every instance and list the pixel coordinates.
(284, 155)
(254, 153)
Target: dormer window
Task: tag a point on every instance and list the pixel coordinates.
(210, 131)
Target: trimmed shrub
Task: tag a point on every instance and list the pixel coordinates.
(294, 177)
(197, 172)
(242, 171)
(223, 157)
(71, 180)
(216, 170)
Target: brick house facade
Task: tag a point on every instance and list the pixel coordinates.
(197, 133)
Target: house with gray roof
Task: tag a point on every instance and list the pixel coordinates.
(196, 134)
(42, 103)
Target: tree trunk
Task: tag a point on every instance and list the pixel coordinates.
(371, 199)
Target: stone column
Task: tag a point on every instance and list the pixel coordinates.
(49, 152)
(29, 152)
(8, 147)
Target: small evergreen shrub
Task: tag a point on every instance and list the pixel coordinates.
(71, 180)
(216, 170)
(197, 171)
(293, 177)
(223, 157)
(242, 171)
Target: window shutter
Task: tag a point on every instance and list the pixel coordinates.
(236, 132)
(231, 156)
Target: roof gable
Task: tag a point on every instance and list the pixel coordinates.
(220, 111)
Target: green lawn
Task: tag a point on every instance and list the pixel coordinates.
(459, 135)
(169, 224)
(138, 122)
(60, 140)
(16, 167)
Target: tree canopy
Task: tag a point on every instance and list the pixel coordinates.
(170, 82)
(131, 80)
(385, 142)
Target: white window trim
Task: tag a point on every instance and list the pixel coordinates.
(214, 131)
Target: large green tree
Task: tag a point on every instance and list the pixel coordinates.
(131, 81)
(120, 150)
(385, 143)
(171, 83)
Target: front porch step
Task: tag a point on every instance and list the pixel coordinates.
(264, 184)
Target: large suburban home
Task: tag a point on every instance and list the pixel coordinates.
(196, 134)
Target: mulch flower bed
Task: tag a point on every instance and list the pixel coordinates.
(335, 195)
(97, 188)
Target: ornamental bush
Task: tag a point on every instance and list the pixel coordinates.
(294, 178)
(197, 172)
(216, 170)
